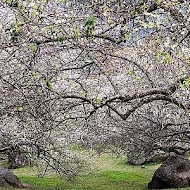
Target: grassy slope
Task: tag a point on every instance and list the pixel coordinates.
(111, 174)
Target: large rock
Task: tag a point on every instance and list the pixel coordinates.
(173, 173)
(8, 179)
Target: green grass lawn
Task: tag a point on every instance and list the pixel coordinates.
(110, 174)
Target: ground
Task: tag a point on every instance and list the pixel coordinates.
(110, 174)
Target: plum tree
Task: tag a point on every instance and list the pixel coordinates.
(72, 70)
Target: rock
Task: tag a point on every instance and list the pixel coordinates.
(141, 159)
(136, 161)
(8, 179)
(173, 173)
(135, 157)
(18, 161)
(159, 157)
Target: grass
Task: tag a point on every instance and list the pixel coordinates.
(110, 174)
